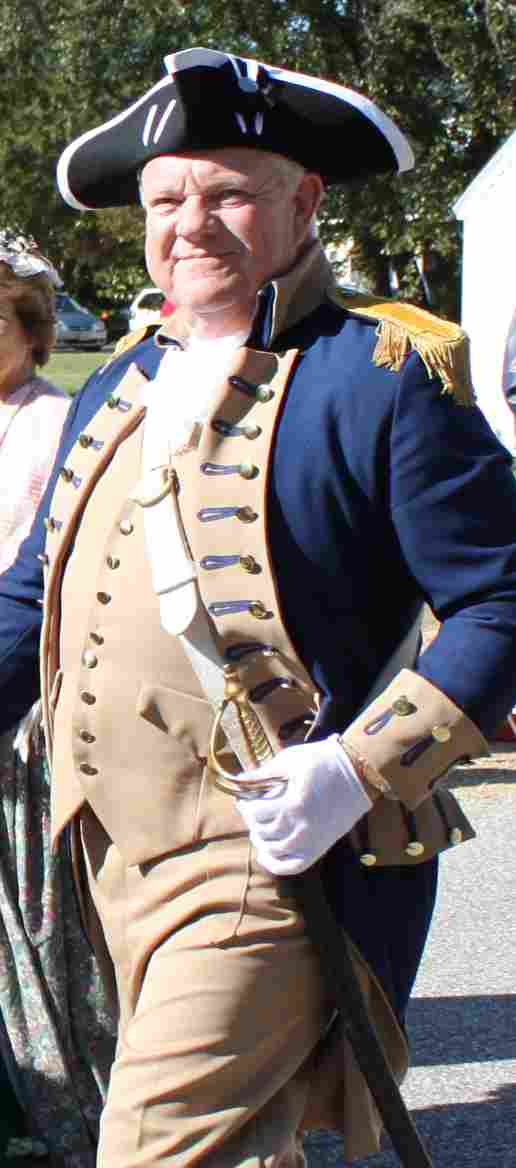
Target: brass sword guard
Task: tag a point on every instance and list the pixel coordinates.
(257, 743)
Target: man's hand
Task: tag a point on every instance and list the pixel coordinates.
(294, 825)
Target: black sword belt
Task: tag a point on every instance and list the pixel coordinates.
(328, 937)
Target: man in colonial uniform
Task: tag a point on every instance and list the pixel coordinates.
(236, 495)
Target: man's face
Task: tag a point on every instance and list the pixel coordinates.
(220, 224)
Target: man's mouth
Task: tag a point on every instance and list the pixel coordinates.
(202, 255)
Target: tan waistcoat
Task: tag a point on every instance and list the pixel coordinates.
(127, 723)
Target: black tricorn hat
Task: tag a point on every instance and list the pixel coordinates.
(209, 100)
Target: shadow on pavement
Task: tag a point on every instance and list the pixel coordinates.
(456, 1135)
(474, 776)
(475, 1134)
(444, 1031)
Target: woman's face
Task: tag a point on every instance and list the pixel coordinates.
(16, 357)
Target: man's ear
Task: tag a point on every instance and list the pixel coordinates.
(307, 200)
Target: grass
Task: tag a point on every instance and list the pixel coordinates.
(69, 368)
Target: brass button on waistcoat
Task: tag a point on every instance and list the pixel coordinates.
(246, 514)
(249, 564)
(97, 638)
(402, 707)
(414, 848)
(248, 470)
(368, 859)
(252, 431)
(66, 473)
(264, 394)
(85, 440)
(441, 733)
(85, 736)
(126, 527)
(87, 769)
(258, 610)
(115, 403)
(51, 524)
(88, 698)
(103, 597)
(43, 558)
(113, 562)
(89, 659)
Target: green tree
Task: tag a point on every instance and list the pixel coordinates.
(444, 69)
(65, 69)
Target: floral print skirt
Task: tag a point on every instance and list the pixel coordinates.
(57, 1039)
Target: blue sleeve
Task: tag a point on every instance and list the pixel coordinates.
(453, 501)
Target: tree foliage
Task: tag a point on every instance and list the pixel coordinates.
(444, 69)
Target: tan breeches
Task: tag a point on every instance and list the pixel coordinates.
(220, 1004)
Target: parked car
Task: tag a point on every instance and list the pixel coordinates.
(116, 320)
(77, 326)
(145, 308)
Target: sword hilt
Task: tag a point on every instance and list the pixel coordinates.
(256, 742)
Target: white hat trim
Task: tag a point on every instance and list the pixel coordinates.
(148, 124)
(164, 119)
(64, 161)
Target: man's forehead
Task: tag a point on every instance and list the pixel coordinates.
(210, 166)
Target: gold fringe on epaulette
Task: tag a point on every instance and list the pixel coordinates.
(402, 327)
(442, 357)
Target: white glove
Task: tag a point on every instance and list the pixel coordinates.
(295, 823)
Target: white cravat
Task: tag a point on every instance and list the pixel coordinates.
(178, 400)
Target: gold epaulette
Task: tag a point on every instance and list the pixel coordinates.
(128, 341)
(442, 345)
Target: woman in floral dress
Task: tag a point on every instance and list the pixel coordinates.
(56, 1034)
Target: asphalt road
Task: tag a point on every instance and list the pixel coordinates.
(461, 1089)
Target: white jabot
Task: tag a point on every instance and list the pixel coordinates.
(181, 392)
(178, 402)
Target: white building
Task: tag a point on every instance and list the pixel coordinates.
(488, 212)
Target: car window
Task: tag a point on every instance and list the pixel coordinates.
(152, 300)
(65, 303)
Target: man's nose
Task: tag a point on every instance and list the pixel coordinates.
(194, 217)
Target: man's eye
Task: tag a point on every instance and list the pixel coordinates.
(165, 206)
(231, 197)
